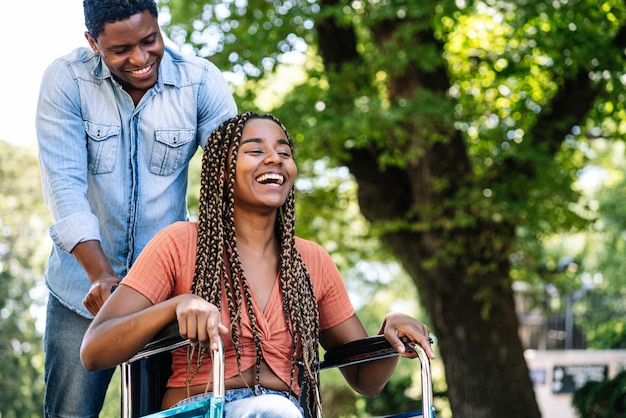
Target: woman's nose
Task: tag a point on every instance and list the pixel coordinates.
(273, 157)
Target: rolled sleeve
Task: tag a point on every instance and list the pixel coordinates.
(74, 229)
(63, 158)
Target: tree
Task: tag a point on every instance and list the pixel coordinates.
(463, 124)
(23, 221)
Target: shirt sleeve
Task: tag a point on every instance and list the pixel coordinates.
(166, 265)
(63, 158)
(215, 103)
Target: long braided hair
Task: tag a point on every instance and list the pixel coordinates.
(217, 256)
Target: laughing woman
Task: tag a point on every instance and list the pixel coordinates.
(241, 274)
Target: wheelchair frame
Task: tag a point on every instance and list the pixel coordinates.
(145, 374)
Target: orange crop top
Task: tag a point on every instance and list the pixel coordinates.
(165, 268)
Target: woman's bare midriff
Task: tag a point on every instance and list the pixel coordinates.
(266, 376)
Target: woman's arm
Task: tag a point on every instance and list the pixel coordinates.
(128, 321)
(124, 325)
(369, 378)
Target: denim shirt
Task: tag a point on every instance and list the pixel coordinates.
(115, 172)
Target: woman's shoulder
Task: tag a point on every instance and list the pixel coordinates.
(305, 244)
(179, 229)
(310, 249)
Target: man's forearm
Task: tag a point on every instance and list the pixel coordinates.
(91, 257)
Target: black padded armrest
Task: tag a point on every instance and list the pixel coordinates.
(377, 347)
(166, 340)
(365, 349)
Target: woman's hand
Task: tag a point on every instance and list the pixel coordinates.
(199, 320)
(397, 325)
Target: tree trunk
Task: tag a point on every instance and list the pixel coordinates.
(478, 335)
(462, 278)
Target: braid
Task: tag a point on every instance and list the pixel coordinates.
(300, 304)
(217, 243)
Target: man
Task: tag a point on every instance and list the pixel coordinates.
(117, 124)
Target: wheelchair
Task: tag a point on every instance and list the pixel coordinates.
(145, 375)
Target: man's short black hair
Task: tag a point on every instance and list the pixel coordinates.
(100, 12)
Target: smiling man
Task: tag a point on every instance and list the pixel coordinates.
(117, 124)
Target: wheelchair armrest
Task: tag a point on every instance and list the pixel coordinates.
(366, 349)
(166, 340)
(377, 347)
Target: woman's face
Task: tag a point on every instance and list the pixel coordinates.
(265, 170)
(132, 49)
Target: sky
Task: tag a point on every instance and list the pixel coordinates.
(32, 34)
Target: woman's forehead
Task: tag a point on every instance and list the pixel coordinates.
(263, 129)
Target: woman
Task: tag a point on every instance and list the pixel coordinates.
(241, 274)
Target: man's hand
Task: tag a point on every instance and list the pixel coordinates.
(90, 256)
(100, 291)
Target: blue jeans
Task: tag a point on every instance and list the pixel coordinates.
(71, 391)
(244, 403)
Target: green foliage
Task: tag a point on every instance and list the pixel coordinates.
(23, 223)
(606, 329)
(327, 212)
(602, 399)
(599, 249)
(609, 334)
(505, 60)
(393, 398)
(465, 126)
(112, 402)
(603, 246)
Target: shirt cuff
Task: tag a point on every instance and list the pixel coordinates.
(74, 229)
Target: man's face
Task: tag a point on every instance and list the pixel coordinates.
(132, 49)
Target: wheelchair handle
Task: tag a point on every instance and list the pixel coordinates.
(218, 371)
(428, 408)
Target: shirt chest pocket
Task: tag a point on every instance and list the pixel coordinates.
(102, 143)
(172, 149)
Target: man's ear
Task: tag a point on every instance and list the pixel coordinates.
(92, 42)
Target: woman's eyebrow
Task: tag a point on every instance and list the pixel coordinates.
(281, 141)
(247, 140)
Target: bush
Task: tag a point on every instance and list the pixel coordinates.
(605, 399)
